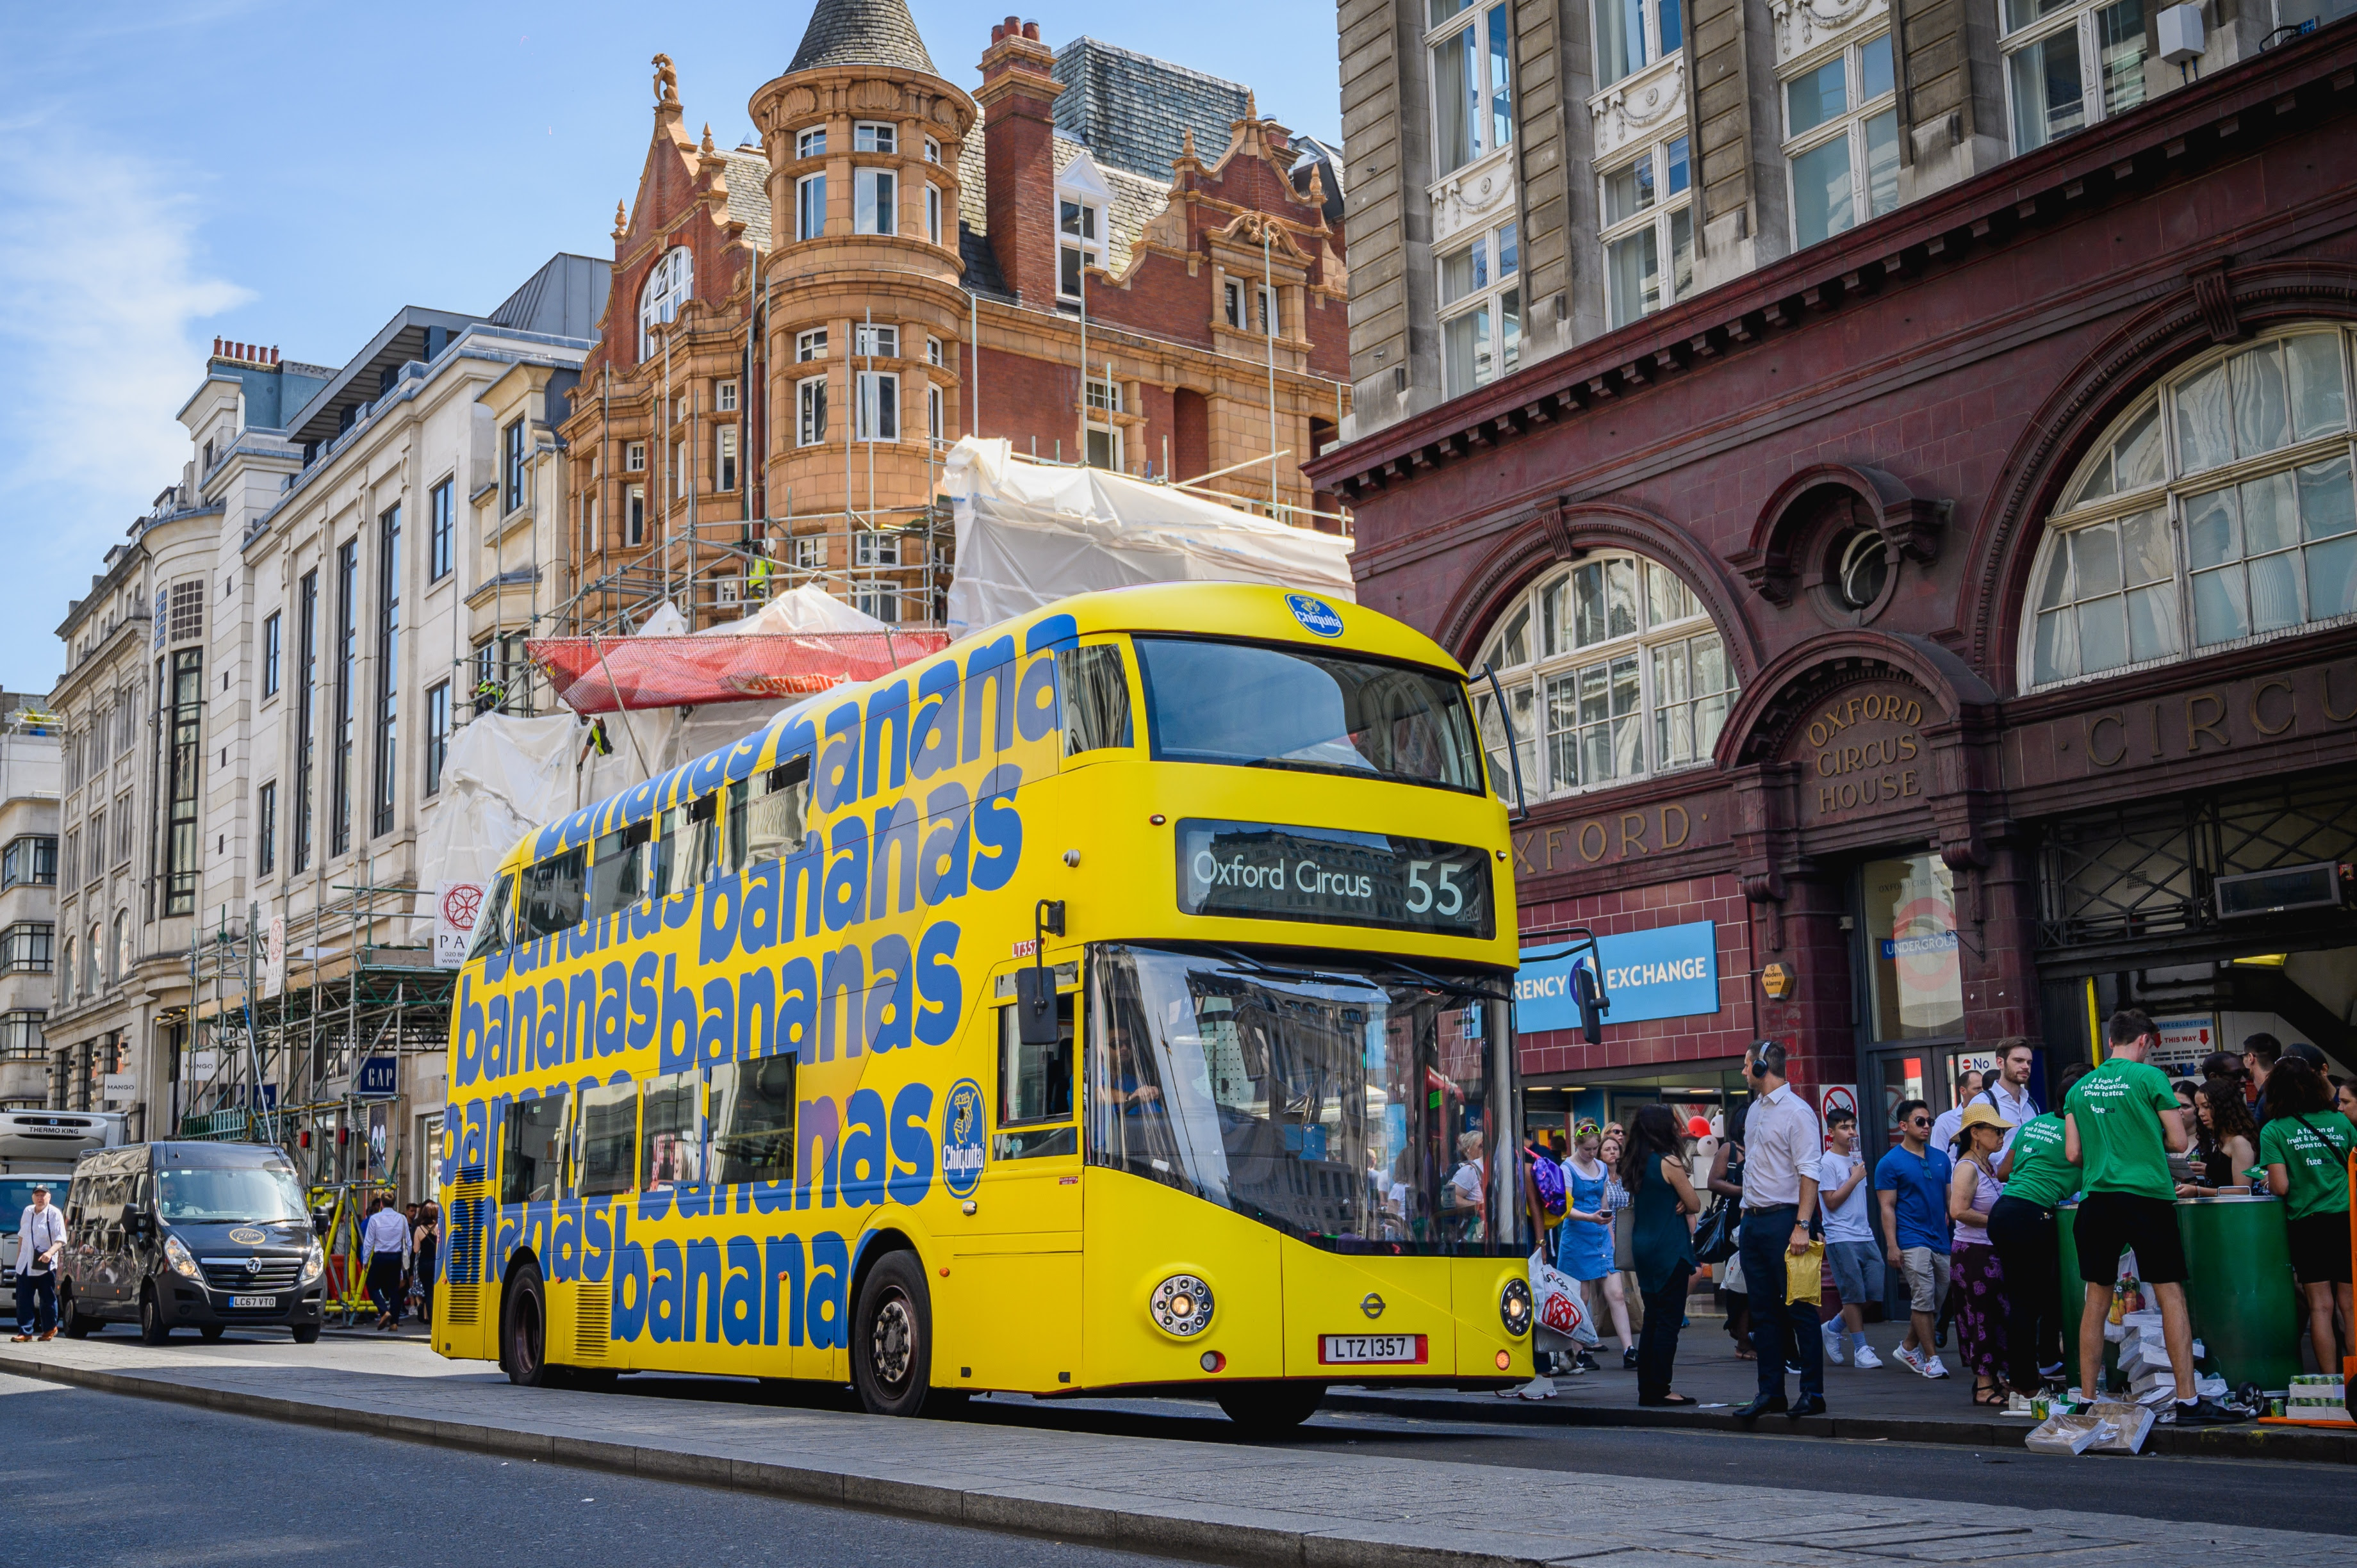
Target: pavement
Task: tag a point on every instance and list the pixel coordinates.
(1888, 1402)
(1294, 1502)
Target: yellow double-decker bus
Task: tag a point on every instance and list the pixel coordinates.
(1116, 1000)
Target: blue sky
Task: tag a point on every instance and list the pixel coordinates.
(292, 173)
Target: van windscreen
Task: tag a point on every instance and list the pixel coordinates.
(259, 1195)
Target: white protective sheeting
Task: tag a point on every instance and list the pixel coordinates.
(1029, 534)
(804, 609)
(504, 777)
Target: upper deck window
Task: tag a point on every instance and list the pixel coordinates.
(1251, 706)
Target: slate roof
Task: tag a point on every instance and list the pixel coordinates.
(862, 32)
(1135, 201)
(749, 194)
(1132, 110)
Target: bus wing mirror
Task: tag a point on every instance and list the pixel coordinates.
(1593, 1004)
(1035, 1006)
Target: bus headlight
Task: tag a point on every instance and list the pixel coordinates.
(176, 1252)
(1514, 1307)
(1182, 1306)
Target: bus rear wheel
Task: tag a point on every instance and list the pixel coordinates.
(1271, 1407)
(892, 1338)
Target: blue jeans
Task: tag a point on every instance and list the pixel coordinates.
(37, 1292)
(1779, 1328)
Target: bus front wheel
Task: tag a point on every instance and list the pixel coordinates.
(1271, 1407)
(892, 1338)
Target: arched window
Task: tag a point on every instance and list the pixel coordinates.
(92, 953)
(2216, 511)
(121, 960)
(66, 975)
(1613, 672)
(667, 288)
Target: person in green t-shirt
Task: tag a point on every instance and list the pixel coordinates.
(2305, 1146)
(2038, 1174)
(2120, 1125)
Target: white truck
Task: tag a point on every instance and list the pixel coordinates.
(37, 1147)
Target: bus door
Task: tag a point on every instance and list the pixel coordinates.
(1017, 1242)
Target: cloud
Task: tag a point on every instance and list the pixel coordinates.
(106, 290)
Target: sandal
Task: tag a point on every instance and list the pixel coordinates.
(1990, 1398)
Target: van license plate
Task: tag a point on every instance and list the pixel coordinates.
(1407, 1347)
(264, 1302)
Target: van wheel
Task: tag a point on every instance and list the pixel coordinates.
(306, 1333)
(892, 1338)
(153, 1329)
(1268, 1408)
(70, 1320)
(523, 1337)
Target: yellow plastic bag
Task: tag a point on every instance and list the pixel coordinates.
(1804, 1277)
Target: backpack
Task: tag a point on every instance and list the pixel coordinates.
(1548, 1178)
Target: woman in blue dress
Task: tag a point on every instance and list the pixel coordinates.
(1584, 1248)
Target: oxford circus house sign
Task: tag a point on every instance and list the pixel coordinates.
(1861, 752)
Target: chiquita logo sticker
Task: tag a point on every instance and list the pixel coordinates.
(246, 1236)
(1314, 615)
(962, 1138)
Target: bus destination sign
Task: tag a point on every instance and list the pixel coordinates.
(1258, 871)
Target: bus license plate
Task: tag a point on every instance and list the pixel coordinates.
(264, 1302)
(1406, 1348)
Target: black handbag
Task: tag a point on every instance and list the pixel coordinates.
(1714, 1238)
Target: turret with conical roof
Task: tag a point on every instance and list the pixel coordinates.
(865, 307)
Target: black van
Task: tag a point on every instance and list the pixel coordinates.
(212, 1236)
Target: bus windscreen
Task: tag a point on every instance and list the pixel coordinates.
(1356, 1109)
(1253, 705)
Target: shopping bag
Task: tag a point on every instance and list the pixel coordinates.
(1804, 1277)
(1715, 1237)
(1559, 1303)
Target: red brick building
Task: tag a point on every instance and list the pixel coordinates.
(1959, 613)
(1101, 258)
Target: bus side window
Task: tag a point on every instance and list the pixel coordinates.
(1094, 690)
(672, 860)
(491, 929)
(765, 813)
(532, 1157)
(618, 877)
(752, 1121)
(605, 1139)
(1035, 1090)
(671, 1151)
(554, 893)
(698, 859)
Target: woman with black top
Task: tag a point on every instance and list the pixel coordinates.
(1727, 1181)
(2225, 1140)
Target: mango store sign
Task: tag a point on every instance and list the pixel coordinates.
(1668, 972)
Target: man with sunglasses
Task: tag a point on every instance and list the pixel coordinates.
(1782, 1150)
(1911, 1184)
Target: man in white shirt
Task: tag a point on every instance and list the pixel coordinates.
(384, 1249)
(1949, 1122)
(40, 1242)
(1783, 1151)
(1852, 1254)
(2006, 1090)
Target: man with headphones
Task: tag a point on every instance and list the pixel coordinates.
(1782, 1146)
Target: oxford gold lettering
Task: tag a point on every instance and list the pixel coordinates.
(1686, 827)
(1632, 842)
(1603, 841)
(2336, 717)
(1522, 853)
(1554, 843)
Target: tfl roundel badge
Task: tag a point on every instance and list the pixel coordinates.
(1316, 616)
(962, 1135)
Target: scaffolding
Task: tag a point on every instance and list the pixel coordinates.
(274, 1051)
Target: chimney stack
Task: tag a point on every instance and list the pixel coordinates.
(1018, 124)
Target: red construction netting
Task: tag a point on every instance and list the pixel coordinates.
(600, 675)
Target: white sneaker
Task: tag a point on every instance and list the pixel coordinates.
(1932, 1369)
(1541, 1387)
(1833, 1349)
(1867, 1358)
(1912, 1359)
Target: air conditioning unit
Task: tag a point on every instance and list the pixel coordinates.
(2316, 886)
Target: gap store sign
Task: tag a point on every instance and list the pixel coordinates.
(1670, 972)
